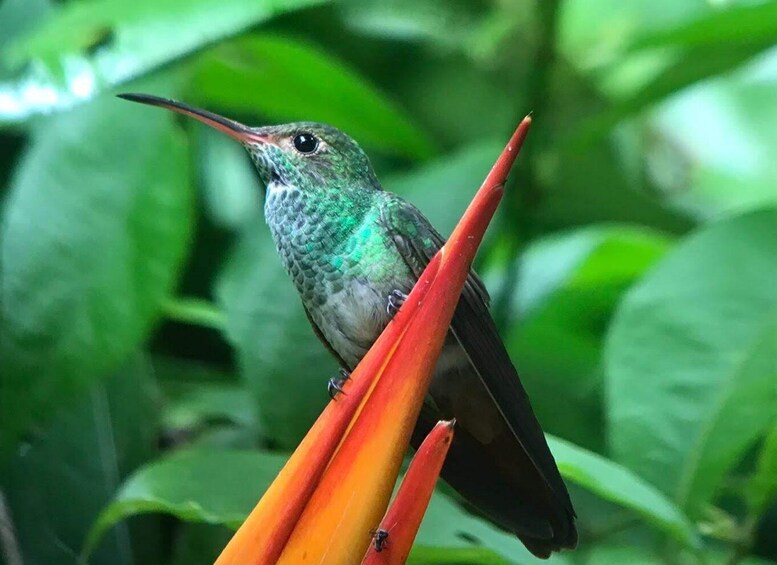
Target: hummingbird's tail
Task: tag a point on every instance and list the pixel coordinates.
(499, 460)
(501, 482)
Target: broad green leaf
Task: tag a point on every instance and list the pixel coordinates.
(569, 285)
(631, 95)
(753, 560)
(593, 33)
(449, 23)
(283, 363)
(445, 94)
(762, 489)
(420, 555)
(675, 47)
(290, 80)
(602, 554)
(719, 555)
(211, 486)
(57, 485)
(447, 527)
(736, 24)
(18, 17)
(88, 47)
(611, 553)
(584, 259)
(619, 485)
(204, 405)
(593, 184)
(691, 360)
(193, 405)
(711, 147)
(93, 235)
(231, 190)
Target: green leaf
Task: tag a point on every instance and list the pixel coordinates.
(668, 57)
(204, 405)
(762, 489)
(584, 186)
(602, 554)
(694, 65)
(691, 360)
(737, 24)
(584, 259)
(211, 486)
(283, 363)
(90, 46)
(93, 235)
(193, 405)
(720, 555)
(420, 555)
(592, 35)
(446, 526)
(708, 148)
(444, 94)
(231, 192)
(569, 285)
(449, 23)
(290, 80)
(617, 484)
(18, 17)
(57, 485)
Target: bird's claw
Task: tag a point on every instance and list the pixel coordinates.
(335, 384)
(394, 302)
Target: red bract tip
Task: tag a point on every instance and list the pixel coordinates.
(394, 537)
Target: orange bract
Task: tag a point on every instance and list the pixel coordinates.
(394, 537)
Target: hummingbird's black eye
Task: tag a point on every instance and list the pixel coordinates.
(305, 142)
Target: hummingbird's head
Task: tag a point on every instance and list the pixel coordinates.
(307, 155)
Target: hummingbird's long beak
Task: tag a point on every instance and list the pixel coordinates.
(232, 128)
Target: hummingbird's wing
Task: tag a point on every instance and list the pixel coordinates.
(499, 460)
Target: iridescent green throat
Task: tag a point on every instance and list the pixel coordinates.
(323, 235)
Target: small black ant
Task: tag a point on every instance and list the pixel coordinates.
(380, 539)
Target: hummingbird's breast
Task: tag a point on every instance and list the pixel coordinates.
(342, 262)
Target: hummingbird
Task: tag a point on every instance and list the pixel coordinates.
(354, 252)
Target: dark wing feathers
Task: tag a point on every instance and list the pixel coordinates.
(417, 255)
(476, 332)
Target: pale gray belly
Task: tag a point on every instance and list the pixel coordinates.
(353, 318)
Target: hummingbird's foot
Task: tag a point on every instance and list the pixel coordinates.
(394, 301)
(335, 384)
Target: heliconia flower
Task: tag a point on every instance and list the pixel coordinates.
(394, 537)
(337, 484)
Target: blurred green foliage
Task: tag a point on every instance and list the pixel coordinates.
(156, 366)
